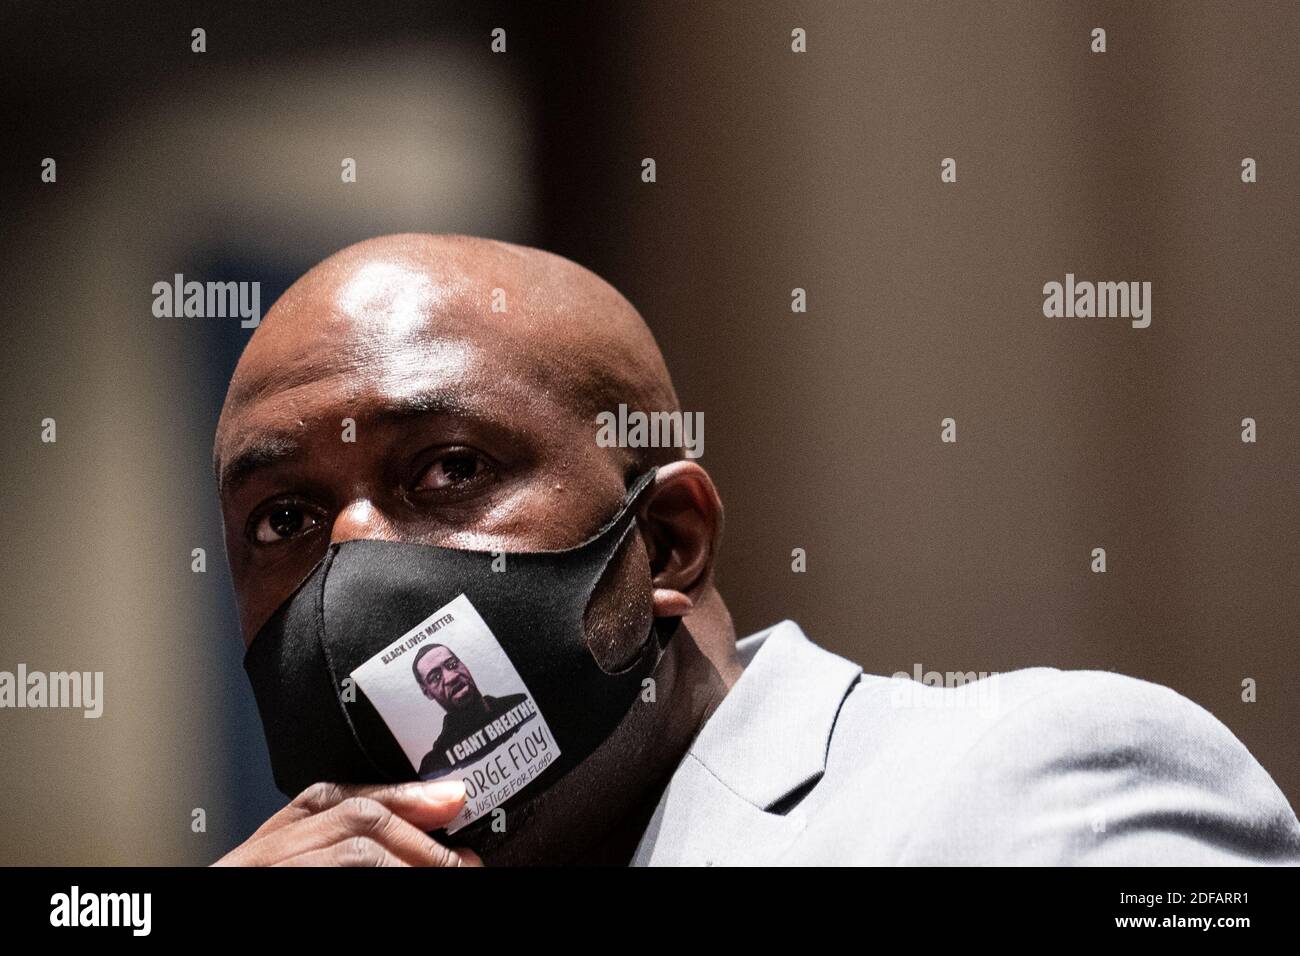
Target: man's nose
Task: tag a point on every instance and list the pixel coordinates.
(361, 520)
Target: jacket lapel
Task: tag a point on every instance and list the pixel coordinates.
(766, 741)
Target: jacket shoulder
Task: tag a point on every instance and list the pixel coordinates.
(1046, 767)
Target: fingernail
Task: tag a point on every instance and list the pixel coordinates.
(444, 791)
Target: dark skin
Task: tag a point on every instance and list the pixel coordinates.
(475, 429)
(447, 682)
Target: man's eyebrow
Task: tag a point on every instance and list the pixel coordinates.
(261, 452)
(266, 450)
(437, 402)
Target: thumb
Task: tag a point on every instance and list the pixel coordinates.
(429, 805)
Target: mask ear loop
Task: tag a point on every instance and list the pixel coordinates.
(664, 627)
(661, 628)
(641, 484)
(628, 507)
(329, 665)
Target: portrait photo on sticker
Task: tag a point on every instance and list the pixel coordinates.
(457, 706)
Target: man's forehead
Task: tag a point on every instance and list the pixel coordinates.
(396, 374)
(392, 320)
(381, 369)
(439, 655)
(385, 325)
(392, 317)
(273, 408)
(392, 293)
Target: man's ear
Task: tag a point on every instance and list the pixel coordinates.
(681, 524)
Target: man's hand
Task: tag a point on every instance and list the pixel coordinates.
(335, 825)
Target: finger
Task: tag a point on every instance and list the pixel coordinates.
(466, 856)
(427, 804)
(365, 816)
(357, 851)
(356, 817)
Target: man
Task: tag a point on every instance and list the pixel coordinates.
(475, 429)
(446, 681)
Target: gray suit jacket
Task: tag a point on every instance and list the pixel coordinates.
(809, 761)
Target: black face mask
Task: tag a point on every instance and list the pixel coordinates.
(364, 595)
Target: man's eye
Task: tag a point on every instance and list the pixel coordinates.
(282, 522)
(453, 469)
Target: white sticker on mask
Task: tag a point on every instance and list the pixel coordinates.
(458, 708)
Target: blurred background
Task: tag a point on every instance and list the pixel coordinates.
(775, 171)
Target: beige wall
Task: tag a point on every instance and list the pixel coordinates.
(822, 172)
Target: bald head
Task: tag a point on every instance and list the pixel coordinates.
(557, 326)
(437, 389)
